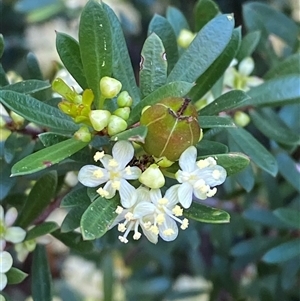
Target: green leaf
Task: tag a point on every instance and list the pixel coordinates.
(228, 101)
(38, 199)
(177, 20)
(254, 149)
(248, 45)
(74, 198)
(136, 134)
(6, 182)
(15, 276)
(41, 282)
(27, 86)
(122, 69)
(3, 78)
(204, 50)
(153, 67)
(215, 121)
(288, 66)
(38, 112)
(162, 27)
(49, 138)
(289, 216)
(283, 252)
(246, 178)
(33, 66)
(206, 148)
(47, 157)
(175, 89)
(1, 45)
(268, 122)
(215, 71)
(205, 214)
(72, 219)
(288, 169)
(276, 92)
(232, 162)
(98, 217)
(204, 11)
(260, 14)
(95, 45)
(69, 53)
(41, 229)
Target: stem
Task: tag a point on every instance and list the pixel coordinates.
(101, 103)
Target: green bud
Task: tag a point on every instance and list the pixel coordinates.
(59, 86)
(122, 112)
(83, 134)
(109, 87)
(172, 127)
(124, 100)
(99, 119)
(163, 162)
(152, 177)
(185, 38)
(241, 118)
(17, 119)
(116, 125)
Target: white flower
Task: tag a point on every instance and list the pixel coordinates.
(6, 262)
(197, 177)
(241, 79)
(115, 173)
(8, 233)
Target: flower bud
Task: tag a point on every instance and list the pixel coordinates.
(185, 38)
(152, 177)
(122, 112)
(124, 100)
(83, 134)
(241, 119)
(116, 125)
(163, 162)
(59, 86)
(172, 127)
(109, 87)
(99, 119)
(17, 119)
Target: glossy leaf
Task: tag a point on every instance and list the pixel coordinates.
(215, 121)
(254, 149)
(209, 43)
(47, 157)
(6, 182)
(206, 148)
(1, 45)
(33, 66)
(276, 92)
(153, 66)
(283, 252)
(41, 229)
(121, 65)
(95, 45)
(15, 276)
(162, 27)
(228, 101)
(3, 78)
(288, 66)
(136, 134)
(289, 216)
(72, 219)
(176, 19)
(176, 89)
(204, 11)
(98, 217)
(205, 214)
(248, 45)
(268, 122)
(28, 86)
(37, 111)
(246, 178)
(74, 241)
(69, 53)
(38, 199)
(41, 282)
(207, 80)
(74, 198)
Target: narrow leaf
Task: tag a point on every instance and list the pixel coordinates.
(136, 134)
(254, 149)
(72, 219)
(3, 78)
(246, 178)
(38, 112)
(204, 11)
(1, 45)
(205, 214)
(40, 230)
(15, 276)
(289, 216)
(33, 66)
(204, 50)
(206, 148)
(177, 20)
(248, 45)
(215, 121)
(47, 157)
(74, 198)
(28, 86)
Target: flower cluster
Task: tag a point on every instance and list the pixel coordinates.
(146, 207)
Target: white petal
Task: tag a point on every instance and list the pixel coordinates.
(233, 62)
(207, 175)
(2, 244)
(143, 194)
(15, 234)
(172, 195)
(123, 152)
(150, 235)
(229, 77)
(1, 213)
(119, 218)
(10, 216)
(246, 66)
(188, 158)
(168, 224)
(6, 261)
(3, 281)
(128, 195)
(185, 194)
(111, 191)
(155, 195)
(131, 173)
(253, 81)
(142, 209)
(87, 178)
(105, 161)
